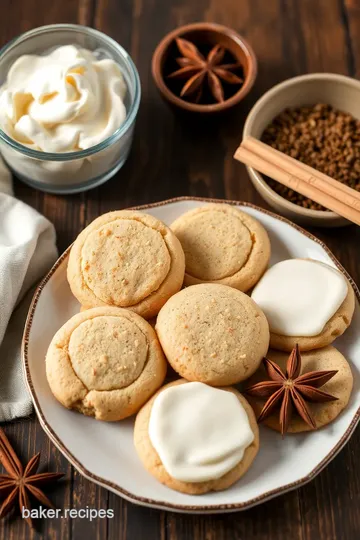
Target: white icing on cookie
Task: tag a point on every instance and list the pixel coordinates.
(300, 296)
(199, 432)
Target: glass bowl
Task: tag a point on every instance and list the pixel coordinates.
(71, 172)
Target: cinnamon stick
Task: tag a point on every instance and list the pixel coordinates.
(294, 178)
(321, 181)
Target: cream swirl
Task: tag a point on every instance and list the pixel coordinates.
(64, 101)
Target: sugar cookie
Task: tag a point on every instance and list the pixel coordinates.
(105, 362)
(222, 245)
(339, 386)
(306, 302)
(213, 334)
(195, 438)
(126, 259)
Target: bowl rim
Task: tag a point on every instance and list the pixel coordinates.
(256, 177)
(114, 137)
(162, 505)
(165, 42)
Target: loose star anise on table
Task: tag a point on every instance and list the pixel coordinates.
(291, 390)
(199, 71)
(19, 483)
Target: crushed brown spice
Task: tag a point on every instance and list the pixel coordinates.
(319, 136)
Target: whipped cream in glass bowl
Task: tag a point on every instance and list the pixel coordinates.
(69, 96)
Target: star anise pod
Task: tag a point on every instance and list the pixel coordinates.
(291, 390)
(200, 71)
(18, 484)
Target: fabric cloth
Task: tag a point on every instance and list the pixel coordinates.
(27, 251)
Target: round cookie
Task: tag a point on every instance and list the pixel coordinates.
(105, 362)
(153, 464)
(339, 386)
(222, 245)
(213, 334)
(126, 259)
(333, 328)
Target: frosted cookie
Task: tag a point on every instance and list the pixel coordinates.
(306, 302)
(126, 259)
(194, 438)
(322, 380)
(105, 362)
(222, 245)
(213, 334)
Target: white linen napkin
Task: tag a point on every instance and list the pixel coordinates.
(27, 250)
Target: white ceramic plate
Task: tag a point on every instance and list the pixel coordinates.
(104, 452)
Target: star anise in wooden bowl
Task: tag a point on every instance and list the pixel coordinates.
(205, 77)
(204, 67)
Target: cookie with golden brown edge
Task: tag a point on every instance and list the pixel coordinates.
(213, 334)
(152, 462)
(105, 362)
(222, 245)
(306, 302)
(323, 379)
(126, 259)
(333, 329)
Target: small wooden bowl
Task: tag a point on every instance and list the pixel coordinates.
(205, 34)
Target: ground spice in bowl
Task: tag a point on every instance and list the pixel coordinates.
(322, 137)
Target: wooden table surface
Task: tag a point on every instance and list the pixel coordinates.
(173, 156)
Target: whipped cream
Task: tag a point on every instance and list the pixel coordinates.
(64, 101)
(199, 432)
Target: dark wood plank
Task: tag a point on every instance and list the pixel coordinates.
(28, 438)
(189, 156)
(121, 20)
(351, 21)
(67, 214)
(21, 16)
